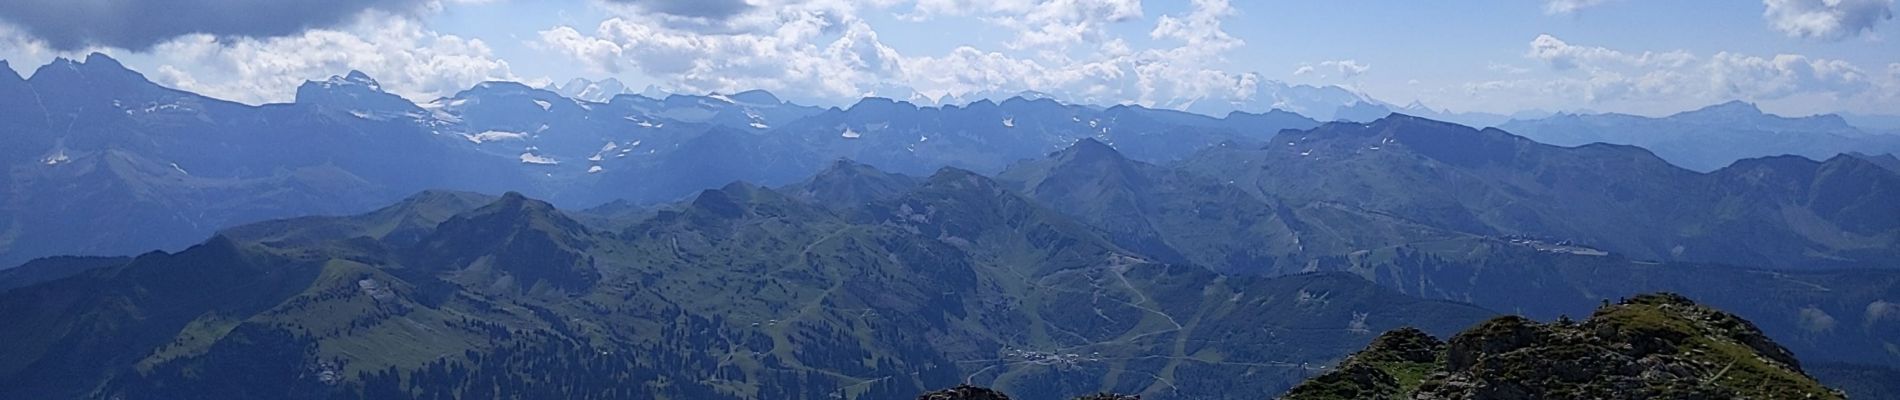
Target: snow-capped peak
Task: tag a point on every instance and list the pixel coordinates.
(355, 78)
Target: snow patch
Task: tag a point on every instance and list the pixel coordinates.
(494, 136)
(545, 105)
(56, 158)
(159, 107)
(529, 157)
(643, 123)
(756, 125)
(180, 169)
(1009, 122)
(594, 169)
(850, 134)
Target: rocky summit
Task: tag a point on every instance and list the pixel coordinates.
(1656, 346)
(967, 392)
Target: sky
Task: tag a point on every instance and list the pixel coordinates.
(1646, 57)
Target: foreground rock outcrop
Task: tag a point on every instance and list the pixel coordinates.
(967, 392)
(1650, 346)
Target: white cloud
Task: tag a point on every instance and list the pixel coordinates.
(1052, 23)
(1676, 80)
(1343, 69)
(1782, 75)
(782, 53)
(825, 50)
(1562, 55)
(1827, 19)
(1200, 29)
(1506, 68)
(408, 59)
(1555, 7)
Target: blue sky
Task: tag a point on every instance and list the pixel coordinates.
(1637, 56)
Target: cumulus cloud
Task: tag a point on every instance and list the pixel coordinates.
(1344, 69)
(1036, 24)
(1555, 7)
(1675, 80)
(1506, 68)
(1782, 75)
(1827, 19)
(825, 50)
(406, 58)
(777, 50)
(140, 25)
(709, 9)
(1562, 55)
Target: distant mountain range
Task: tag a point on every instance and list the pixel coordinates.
(876, 289)
(93, 147)
(1712, 137)
(855, 282)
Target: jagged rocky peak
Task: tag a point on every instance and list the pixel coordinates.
(1406, 344)
(965, 392)
(589, 90)
(360, 78)
(102, 62)
(968, 392)
(355, 91)
(1649, 346)
(352, 81)
(97, 68)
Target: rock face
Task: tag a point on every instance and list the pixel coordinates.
(967, 392)
(1650, 346)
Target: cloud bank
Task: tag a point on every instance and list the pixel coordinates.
(1827, 19)
(141, 24)
(828, 50)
